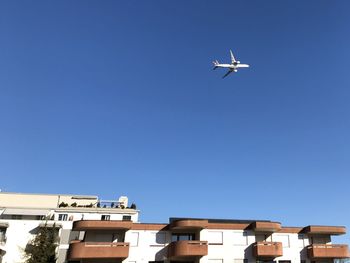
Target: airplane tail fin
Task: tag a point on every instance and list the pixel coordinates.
(216, 63)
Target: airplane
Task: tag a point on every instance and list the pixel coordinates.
(233, 67)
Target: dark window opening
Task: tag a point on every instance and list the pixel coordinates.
(62, 217)
(105, 217)
(183, 237)
(126, 218)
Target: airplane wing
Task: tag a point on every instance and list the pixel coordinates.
(228, 72)
(232, 57)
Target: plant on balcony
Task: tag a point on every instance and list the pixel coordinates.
(42, 248)
(74, 204)
(63, 204)
(133, 206)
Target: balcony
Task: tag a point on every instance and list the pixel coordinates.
(186, 224)
(83, 225)
(188, 248)
(266, 227)
(321, 251)
(325, 230)
(50, 225)
(267, 250)
(97, 250)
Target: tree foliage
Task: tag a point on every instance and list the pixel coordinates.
(42, 248)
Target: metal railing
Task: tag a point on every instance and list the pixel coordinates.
(106, 244)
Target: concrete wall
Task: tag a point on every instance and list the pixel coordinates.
(95, 214)
(225, 246)
(236, 246)
(20, 232)
(147, 245)
(42, 200)
(28, 200)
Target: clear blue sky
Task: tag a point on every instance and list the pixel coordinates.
(119, 98)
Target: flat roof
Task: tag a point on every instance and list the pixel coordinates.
(71, 195)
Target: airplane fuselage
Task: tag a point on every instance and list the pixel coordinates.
(232, 66)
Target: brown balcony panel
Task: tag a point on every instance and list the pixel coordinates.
(98, 250)
(320, 251)
(101, 225)
(325, 230)
(266, 227)
(184, 249)
(189, 224)
(267, 250)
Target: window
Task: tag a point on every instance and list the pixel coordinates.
(240, 238)
(105, 217)
(62, 217)
(320, 239)
(16, 217)
(158, 239)
(126, 218)
(118, 237)
(215, 238)
(133, 239)
(99, 237)
(182, 237)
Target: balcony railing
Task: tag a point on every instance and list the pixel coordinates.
(267, 250)
(98, 250)
(322, 251)
(188, 248)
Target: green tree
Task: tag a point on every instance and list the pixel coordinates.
(42, 248)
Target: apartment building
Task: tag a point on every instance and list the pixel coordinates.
(204, 241)
(96, 231)
(21, 216)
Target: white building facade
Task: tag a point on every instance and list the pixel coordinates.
(21, 216)
(205, 241)
(91, 232)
